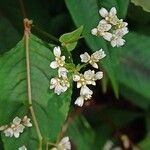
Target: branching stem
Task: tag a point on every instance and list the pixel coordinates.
(27, 31)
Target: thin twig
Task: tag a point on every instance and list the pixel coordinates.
(27, 30)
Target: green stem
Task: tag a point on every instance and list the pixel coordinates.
(27, 29)
(51, 37)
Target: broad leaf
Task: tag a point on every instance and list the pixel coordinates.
(69, 40)
(145, 4)
(50, 109)
(9, 36)
(133, 68)
(81, 134)
(145, 144)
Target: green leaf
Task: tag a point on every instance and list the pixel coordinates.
(145, 4)
(69, 40)
(9, 36)
(81, 134)
(85, 13)
(133, 65)
(50, 109)
(145, 144)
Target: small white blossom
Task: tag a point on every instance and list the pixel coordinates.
(59, 85)
(26, 122)
(89, 77)
(59, 60)
(16, 127)
(94, 58)
(9, 132)
(110, 16)
(117, 39)
(85, 94)
(62, 72)
(22, 148)
(64, 144)
(102, 30)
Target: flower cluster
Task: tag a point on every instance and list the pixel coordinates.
(16, 127)
(61, 83)
(89, 77)
(111, 28)
(64, 144)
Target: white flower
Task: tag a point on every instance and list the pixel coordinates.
(89, 77)
(59, 85)
(62, 72)
(9, 132)
(117, 39)
(110, 16)
(64, 144)
(94, 58)
(59, 60)
(26, 122)
(22, 148)
(85, 94)
(102, 29)
(15, 128)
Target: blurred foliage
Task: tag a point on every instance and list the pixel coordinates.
(127, 68)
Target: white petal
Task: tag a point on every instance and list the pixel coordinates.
(57, 51)
(95, 65)
(54, 65)
(85, 57)
(16, 121)
(62, 72)
(3, 127)
(64, 140)
(107, 36)
(79, 101)
(98, 75)
(113, 11)
(22, 148)
(103, 21)
(20, 128)
(54, 148)
(8, 132)
(94, 31)
(85, 91)
(16, 134)
(113, 43)
(58, 89)
(79, 84)
(120, 42)
(99, 55)
(88, 75)
(76, 78)
(103, 12)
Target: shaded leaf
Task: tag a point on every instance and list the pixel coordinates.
(50, 109)
(145, 4)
